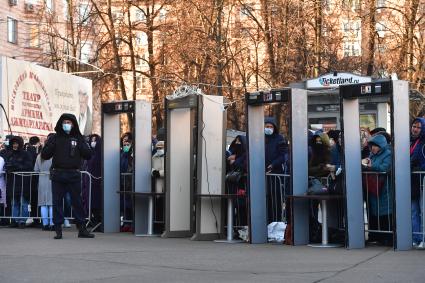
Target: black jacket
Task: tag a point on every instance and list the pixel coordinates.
(67, 150)
(18, 161)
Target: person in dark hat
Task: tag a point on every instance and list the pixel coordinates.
(67, 148)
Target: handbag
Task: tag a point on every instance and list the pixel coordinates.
(234, 176)
(315, 187)
(335, 185)
(373, 183)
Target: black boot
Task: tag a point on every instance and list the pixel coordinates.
(58, 230)
(83, 233)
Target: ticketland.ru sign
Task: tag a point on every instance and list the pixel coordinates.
(336, 79)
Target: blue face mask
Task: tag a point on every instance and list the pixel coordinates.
(268, 131)
(66, 128)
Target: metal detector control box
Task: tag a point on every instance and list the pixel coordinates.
(270, 96)
(384, 88)
(118, 107)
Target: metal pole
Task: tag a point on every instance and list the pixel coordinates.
(324, 223)
(150, 216)
(229, 219)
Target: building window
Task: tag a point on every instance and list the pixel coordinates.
(381, 48)
(246, 11)
(351, 28)
(85, 52)
(140, 16)
(49, 5)
(141, 39)
(245, 33)
(139, 82)
(84, 13)
(34, 40)
(162, 14)
(351, 48)
(351, 4)
(12, 30)
(380, 29)
(380, 3)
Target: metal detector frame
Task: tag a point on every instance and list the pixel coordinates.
(398, 93)
(188, 102)
(297, 100)
(142, 127)
(195, 105)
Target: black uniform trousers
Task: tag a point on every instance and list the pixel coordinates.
(61, 186)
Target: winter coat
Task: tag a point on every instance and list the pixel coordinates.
(18, 161)
(336, 153)
(320, 156)
(276, 149)
(381, 162)
(44, 183)
(158, 165)
(2, 182)
(417, 158)
(240, 152)
(240, 164)
(67, 150)
(93, 166)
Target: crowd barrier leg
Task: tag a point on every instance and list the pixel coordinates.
(325, 236)
(229, 239)
(150, 218)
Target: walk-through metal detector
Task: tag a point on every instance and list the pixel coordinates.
(297, 101)
(195, 166)
(142, 151)
(398, 95)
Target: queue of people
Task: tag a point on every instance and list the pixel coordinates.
(67, 151)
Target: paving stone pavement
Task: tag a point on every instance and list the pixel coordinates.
(31, 255)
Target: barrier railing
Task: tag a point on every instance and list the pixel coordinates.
(239, 204)
(21, 196)
(418, 205)
(378, 198)
(156, 204)
(126, 200)
(277, 187)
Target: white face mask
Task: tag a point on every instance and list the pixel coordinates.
(160, 152)
(93, 144)
(268, 131)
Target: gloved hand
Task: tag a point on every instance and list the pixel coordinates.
(155, 173)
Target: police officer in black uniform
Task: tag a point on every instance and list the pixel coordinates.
(68, 148)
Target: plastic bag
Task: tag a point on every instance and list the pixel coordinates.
(276, 232)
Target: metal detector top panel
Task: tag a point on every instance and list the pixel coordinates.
(118, 107)
(190, 101)
(267, 97)
(383, 88)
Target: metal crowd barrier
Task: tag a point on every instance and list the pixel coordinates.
(239, 206)
(277, 186)
(156, 204)
(418, 206)
(27, 191)
(126, 200)
(378, 200)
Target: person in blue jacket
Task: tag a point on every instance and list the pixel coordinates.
(417, 163)
(380, 206)
(276, 157)
(276, 147)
